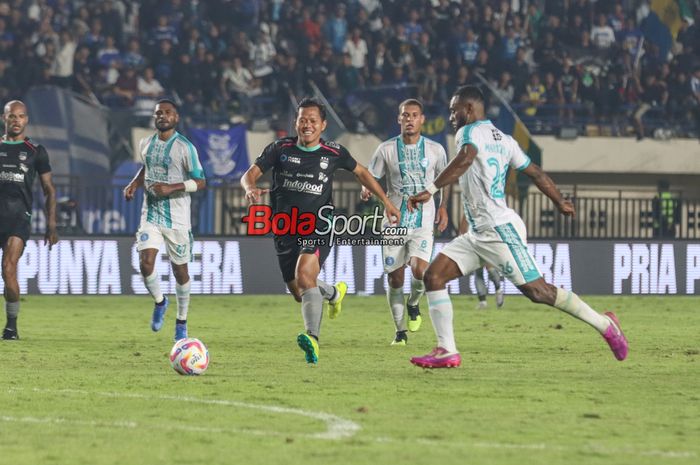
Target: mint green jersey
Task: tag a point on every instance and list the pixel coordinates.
(484, 183)
(172, 161)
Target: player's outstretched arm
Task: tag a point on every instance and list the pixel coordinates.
(161, 189)
(248, 182)
(454, 169)
(51, 236)
(366, 179)
(130, 189)
(546, 185)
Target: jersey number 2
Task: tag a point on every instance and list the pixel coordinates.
(499, 180)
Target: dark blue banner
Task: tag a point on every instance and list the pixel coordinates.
(223, 153)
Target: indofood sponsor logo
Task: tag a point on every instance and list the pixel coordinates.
(303, 186)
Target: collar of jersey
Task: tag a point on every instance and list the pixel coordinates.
(175, 134)
(13, 142)
(308, 149)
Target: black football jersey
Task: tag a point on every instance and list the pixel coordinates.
(302, 177)
(20, 162)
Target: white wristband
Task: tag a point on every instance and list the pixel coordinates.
(190, 185)
(432, 189)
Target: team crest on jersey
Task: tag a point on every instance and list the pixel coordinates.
(388, 261)
(424, 163)
(144, 237)
(324, 163)
(22, 156)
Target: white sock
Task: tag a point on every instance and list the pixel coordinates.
(417, 290)
(441, 315)
(327, 290)
(152, 283)
(183, 299)
(395, 298)
(12, 309)
(574, 306)
(312, 310)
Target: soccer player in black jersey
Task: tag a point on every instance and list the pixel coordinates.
(20, 162)
(302, 178)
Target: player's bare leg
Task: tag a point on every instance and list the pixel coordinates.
(395, 297)
(11, 252)
(539, 291)
(418, 267)
(442, 270)
(151, 279)
(182, 291)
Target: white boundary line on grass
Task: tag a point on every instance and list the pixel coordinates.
(336, 427)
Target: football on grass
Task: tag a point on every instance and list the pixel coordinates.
(189, 356)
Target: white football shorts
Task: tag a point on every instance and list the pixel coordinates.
(178, 242)
(504, 246)
(417, 243)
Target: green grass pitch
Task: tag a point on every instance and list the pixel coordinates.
(89, 383)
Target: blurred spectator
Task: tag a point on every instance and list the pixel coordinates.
(235, 79)
(133, 56)
(163, 31)
(511, 44)
(617, 20)
(602, 35)
(413, 27)
(94, 38)
(631, 37)
(163, 61)
(568, 88)
(356, 47)
(428, 84)
(291, 77)
(534, 95)
(652, 94)
(548, 54)
(347, 76)
(126, 87)
(108, 53)
(336, 29)
(469, 47)
(310, 29)
(506, 92)
(263, 53)
(7, 82)
(149, 90)
(62, 68)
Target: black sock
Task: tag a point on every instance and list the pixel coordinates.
(11, 322)
(181, 322)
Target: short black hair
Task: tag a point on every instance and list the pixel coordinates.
(470, 93)
(307, 102)
(411, 101)
(167, 100)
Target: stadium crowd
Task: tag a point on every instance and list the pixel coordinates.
(556, 59)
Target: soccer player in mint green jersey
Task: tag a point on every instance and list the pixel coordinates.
(409, 162)
(171, 171)
(496, 233)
